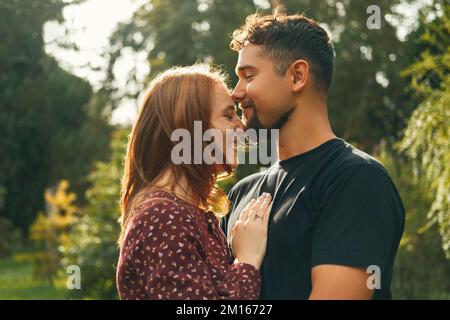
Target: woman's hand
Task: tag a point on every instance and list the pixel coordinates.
(249, 234)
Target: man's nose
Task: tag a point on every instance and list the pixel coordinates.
(238, 93)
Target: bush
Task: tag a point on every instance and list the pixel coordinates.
(421, 270)
(10, 238)
(92, 242)
(49, 232)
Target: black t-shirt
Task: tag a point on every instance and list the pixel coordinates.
(331, 205)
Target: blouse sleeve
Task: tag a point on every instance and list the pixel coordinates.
(169, 250)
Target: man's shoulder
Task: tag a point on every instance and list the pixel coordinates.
(358, 171)
(353, 159)
(355, 156)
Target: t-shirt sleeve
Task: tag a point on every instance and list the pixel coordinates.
(360, 220)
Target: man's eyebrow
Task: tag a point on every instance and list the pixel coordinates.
(244, 68)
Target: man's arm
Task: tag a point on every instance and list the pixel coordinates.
(360, 225)
(334, 282)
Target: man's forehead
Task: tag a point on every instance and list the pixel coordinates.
(249, 55)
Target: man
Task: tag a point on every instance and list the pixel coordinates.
(337, 218)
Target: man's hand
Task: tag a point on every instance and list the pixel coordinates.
(334, 282)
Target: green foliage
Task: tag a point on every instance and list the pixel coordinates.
(2, 196)
(367, 99)
(48, 117)
(176, 32)
(427, 143)
(430, 72)
(92, 243)
(421, 270)
(50, 231)
(426, 138)
(10, 238)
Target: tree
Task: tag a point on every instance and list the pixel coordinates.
(175, 32)
(421, 270)
(426, 139)
(52, 125)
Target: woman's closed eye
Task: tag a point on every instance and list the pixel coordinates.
(229, 117)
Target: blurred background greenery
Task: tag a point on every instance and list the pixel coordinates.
(61, 152)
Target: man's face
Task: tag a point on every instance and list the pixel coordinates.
(264, 96)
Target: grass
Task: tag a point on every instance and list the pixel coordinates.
(16, 283)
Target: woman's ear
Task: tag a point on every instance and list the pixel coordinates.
(299, 72)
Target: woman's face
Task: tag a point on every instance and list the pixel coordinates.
(224, 118)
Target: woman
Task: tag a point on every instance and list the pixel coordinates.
(171, 245)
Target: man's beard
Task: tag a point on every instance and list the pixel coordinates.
(255, 123)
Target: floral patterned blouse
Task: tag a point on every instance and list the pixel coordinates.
(173, 250)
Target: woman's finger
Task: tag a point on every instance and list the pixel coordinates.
(262, 212)
(244, 213)
(254, 210)
(267, 201)
(267, 213)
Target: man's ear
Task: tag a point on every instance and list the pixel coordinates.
(299, 74)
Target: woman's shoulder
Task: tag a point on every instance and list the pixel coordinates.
(164, 208)
(161, 218)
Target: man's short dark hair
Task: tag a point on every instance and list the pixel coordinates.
(287, 38)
